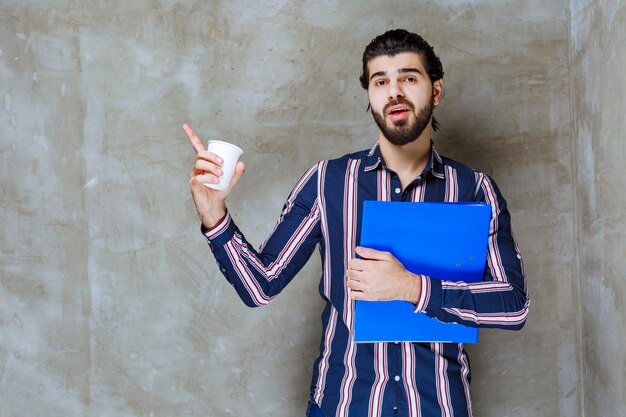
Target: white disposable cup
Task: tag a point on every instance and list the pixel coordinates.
(230, 154)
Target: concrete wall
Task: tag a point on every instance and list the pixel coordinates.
(110, 303)
(598, 34)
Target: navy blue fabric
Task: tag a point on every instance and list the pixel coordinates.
(313, 410)
(324, 209)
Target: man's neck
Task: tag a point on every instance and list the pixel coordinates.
(408, 161)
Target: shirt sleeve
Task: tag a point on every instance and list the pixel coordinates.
(258, 276)
(501, 299)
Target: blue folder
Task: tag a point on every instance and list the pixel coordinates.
(446, 241)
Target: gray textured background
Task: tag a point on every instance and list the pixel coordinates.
(110, 303)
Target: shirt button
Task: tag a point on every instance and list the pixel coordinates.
(397, 378)
(397, 190)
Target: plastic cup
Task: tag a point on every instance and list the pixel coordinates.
(230, 154)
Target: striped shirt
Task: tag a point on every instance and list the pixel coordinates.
(379, 379)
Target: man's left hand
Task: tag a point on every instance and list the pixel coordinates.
(380, 276)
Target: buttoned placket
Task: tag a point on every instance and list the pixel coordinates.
(396, 188)
(395, 365)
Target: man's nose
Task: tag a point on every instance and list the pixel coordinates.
(395, 91)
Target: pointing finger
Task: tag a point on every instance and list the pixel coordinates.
(193, 138)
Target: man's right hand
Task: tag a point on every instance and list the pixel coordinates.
(207, 169)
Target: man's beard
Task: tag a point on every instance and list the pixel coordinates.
(402, 131)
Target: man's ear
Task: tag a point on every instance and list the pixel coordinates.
(437, 92)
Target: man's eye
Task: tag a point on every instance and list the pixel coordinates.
(411, 79)
(379, 82)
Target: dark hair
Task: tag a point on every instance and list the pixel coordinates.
(395, 42)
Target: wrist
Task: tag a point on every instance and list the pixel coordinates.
(414, 291)
(213, 217)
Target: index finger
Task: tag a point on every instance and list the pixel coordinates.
(373, 254)
(193, 138)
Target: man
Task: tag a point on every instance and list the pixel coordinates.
(403, 79)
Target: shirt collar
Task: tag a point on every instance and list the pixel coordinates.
(374, 160)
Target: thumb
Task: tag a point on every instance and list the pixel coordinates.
(240, 168)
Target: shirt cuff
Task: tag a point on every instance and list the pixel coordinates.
(221, 233)
(430, 296)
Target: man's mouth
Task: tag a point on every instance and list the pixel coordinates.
(398, 112)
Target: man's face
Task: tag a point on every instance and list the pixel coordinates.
(401, 96)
